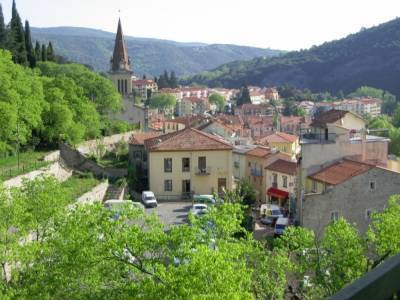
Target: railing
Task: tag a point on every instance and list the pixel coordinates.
(7, 173)
(256, 172)
(380, 283)
(203, 171)
(317, 138)
(275, 185)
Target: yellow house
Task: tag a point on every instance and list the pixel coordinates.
(189, 162)
(283, 142)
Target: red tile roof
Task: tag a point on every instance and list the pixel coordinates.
(328, 117)
(142, 82)
(283, 166)
(139, 138)
(189, 139)
(278, 137)
(341, 171)
(260, 152)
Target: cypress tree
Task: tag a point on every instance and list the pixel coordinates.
(50, 52)
(244, 96)
(173, 82)
(2, 29)
(44, 53)
(17, 43)
(166, 77)
(28, 45)
(38, 51)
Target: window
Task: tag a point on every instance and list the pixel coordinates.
(185, 164)
(372, 185)
(249, 164)
(168, 185)
(274, 180)
(202, 163)
(137, 155)
(284, 179)
(168, 165)
(334, 215)
(314, 186)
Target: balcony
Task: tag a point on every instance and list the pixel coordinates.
(203, 171)
(256, 172)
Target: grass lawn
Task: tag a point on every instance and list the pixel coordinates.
(28, 161)
(110, 160)
(76, 186)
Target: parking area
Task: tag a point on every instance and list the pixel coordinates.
(171, 213)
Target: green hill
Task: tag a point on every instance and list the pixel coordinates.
(370, 57)
(150, 56)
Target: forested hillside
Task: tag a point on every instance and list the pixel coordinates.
(150, 56)
(370, 57)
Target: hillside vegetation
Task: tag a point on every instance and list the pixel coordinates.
(150, 56)
(370, 57)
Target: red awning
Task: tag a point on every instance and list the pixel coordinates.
(277, 193)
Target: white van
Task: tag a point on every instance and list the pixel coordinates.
(281, 225)
(148, 199)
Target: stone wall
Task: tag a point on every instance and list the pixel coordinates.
(57, 170)
(95, 195)
(52, 156)
(90, 147)
(77, 161)
(351, 200)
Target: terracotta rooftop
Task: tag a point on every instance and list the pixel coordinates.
(278, 137)
(262, 152)
(254, 106)
(142, 81)
(189, 139)
(283, 166)
(328, 117)
(139, 138)
(341, 171)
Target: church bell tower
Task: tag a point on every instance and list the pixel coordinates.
(120, 65)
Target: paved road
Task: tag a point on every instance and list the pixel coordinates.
(171, 213)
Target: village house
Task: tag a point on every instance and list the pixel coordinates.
(254, 110)
(259, 126)
(281, 183)
(336, 135)
(293, 124)
(257, 160)
(188, 162)
(189, 106)
(284, 142)
(361, 106)
(175, 92)
(144, 88)
(349, 189)
(271, 94)
(257, 97)
(240, 164)
(197, 92)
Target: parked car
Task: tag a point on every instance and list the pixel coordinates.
(270, 213)
(280, 226)
(148, 199)
(199, 209)
(204, 199)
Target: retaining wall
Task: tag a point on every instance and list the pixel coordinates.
(90, 147)
(96, 194)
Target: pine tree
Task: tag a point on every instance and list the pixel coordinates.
(28, 45)
(17, 42)
(173, 82)
(2, 29)
(50, 52)
(44, 53)
(38, 51)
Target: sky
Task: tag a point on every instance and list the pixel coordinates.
(277, 24)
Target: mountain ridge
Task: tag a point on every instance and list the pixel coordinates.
(368, 57)
(150, 56)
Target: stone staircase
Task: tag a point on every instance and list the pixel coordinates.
(114, 192)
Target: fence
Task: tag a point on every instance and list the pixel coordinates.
(7, 173)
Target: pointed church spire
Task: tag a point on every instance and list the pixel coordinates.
(120, 60)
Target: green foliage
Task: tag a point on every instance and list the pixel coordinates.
(2, 29)
(291, 109)
(28, 45)
(16, 42)
(218, 100)
(95, 87)
(385, 122)
(163, 101)
(247, 192)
